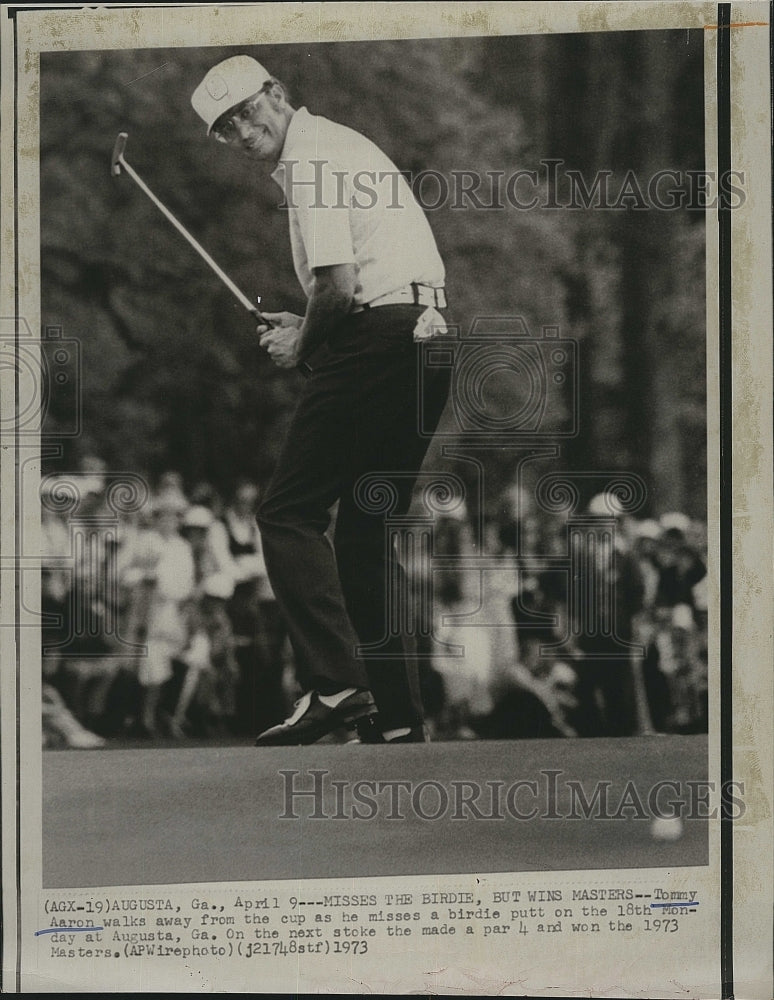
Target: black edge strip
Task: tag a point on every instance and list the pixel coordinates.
(726, 499)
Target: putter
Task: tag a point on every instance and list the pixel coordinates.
(117, 162)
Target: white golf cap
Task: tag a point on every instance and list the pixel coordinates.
(226, 85)
(675, 519)
(605, 505)
(646, 529)
(198, 517)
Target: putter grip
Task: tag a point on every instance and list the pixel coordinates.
(302, 366)
(257, 314)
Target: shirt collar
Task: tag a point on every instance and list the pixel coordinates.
(299, 127)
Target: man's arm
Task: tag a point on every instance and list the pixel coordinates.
(288, 343)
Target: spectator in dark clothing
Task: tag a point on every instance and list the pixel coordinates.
(606, 688)
(673, 668)
(680, 569)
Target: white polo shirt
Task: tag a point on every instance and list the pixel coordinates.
(348, 204)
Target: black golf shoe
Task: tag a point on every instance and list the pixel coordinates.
(369, 730)
(312, 719)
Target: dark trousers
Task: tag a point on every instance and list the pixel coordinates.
(614, 681)
(358, 415)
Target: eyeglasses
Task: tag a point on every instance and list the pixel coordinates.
(226, 131)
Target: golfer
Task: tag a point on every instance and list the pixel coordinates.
(367, 261)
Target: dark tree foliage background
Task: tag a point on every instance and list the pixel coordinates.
(172, 373)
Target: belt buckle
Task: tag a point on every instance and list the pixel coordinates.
(416, 289)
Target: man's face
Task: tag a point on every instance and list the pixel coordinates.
(257, 126)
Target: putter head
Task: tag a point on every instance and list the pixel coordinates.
(118, 152)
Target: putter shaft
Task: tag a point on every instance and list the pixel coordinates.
(194, 243)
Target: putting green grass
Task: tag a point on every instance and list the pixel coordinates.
(207, 814)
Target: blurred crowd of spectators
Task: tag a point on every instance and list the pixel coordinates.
(167, 626)
(163, 624)
(532, 663)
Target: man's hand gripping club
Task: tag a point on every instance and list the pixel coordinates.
(281, 339)
(292, 339)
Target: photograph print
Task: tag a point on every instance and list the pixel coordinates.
(374, 492)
